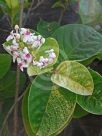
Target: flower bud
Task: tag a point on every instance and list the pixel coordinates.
(16, 27)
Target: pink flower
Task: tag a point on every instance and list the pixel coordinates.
(27, 57)
(21, 64)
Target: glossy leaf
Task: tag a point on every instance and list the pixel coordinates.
(90, 11)
(25, 113)
(78, 42)
(93, 104)
(8, 84)
(79, 112)
(49, 108)
(5, 62)
(50, 43)
(46, 29)
(74, 77)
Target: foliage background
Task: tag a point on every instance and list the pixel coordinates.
(87, 126)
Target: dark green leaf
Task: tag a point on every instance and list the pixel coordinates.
(8, 84)
(49, 108)
(78, 42)
(25, 114)
(93, 104)
(5, 62)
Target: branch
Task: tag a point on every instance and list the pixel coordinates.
(61, 16)
(18, 78)
(33, 8)
(9, 113)
(29, 10)
(37, 5)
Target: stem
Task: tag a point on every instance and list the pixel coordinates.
(15, 119)
(9, 112)
(61, 16)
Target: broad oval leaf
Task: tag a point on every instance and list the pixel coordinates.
(74, 77)
(25, 113)
(49, 108)
(93, 104)
(8, 84)
(5, 62)
(78, 42)
(50, 43)
(90, 11)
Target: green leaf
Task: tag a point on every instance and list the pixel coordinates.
(79, 112)
(78, 42)
(58, 4)
(25, 113)
(5, 62)
(50, 43)
(12, 4)
(90, 11)
(46, 29)
(93, 104)
(5, 106)
(8, 84)
(74, 77)
(49, 108)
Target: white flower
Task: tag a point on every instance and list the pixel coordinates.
(43, 60)
(17, 36)
(10, 37)
(43, 40)
(50, 60)
(16, 27)
(23, 31)
(14, 42)
(25, 50)
(49, 51)
(21, 64)
(13, 48)
(26, 55)
(40, 64)
(52, 55)
(36, 44)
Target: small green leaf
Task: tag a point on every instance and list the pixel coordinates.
(5, 62)
(25, 113)
(79, 112)
(74, 77)
(49, 108)
(46, 29)
(78, 42)
(93, 104)
(50, 43)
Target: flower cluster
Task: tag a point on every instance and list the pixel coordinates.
(20, 44)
